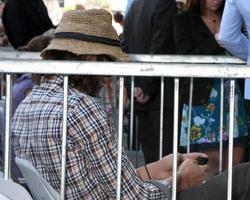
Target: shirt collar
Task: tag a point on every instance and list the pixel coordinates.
(54, 80)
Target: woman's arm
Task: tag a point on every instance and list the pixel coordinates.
(230, 31)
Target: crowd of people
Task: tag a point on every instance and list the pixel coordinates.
(187, 28)
(192, 27)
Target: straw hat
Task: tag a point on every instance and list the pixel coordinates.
(87, 32)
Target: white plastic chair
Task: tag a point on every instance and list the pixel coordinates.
(10, 190)
(3, 197)
(39, 187)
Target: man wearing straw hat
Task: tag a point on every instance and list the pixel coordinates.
(91, 138)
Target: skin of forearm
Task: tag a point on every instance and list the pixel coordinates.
(154, 172)
(142, 174)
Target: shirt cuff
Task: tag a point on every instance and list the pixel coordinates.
(164, 186)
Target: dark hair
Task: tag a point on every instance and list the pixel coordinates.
(118, 17)
(89, 84)
(198, 6)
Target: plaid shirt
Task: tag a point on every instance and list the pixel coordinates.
(91, 145)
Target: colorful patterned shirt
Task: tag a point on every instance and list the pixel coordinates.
(91, 145)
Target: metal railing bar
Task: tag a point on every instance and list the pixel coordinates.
(190, 113)
(124, 68)
(114, 100)
(221, 124)
(185, 59)
(131, 132)
(64, 137)
(175, 140)
(20, 55)
(161, 118)
(120, 131)
(136, 141)
(8, 114)
(231, 137)
(142, 58)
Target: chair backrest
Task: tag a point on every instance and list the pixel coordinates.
(39, 187)
(10, 190)
(3, 197)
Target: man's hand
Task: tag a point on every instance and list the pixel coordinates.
(193, 156)
(164, 166)
(190, 174)
(139, 95)
(159, 170)
(162, 169)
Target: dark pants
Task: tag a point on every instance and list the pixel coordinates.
(216, 187)
(149, 133)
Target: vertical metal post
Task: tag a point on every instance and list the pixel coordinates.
(114, 100)
(161, 117)
(175, 141)
(231, 137)
(190, 113)
(64, 136)
(120, 130)
(8, 114)
(136, 142)
(221, 123)
(131, 114)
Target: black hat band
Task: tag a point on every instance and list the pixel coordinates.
(87, 38)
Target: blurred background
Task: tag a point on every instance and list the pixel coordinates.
(55, 11)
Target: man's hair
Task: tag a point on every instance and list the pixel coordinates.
(89, 84)
(198, 6)
(118, 17)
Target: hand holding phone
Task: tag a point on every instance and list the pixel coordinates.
(202, 160)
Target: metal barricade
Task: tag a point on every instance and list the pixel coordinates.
(156, 66)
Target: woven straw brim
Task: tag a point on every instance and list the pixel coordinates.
(85, 48)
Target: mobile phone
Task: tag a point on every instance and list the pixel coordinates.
(202, 160)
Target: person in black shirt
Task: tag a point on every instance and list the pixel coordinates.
(25, 19)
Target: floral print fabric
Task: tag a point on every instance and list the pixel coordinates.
(205, 119)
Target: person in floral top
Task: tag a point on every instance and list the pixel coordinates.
(194, 34)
